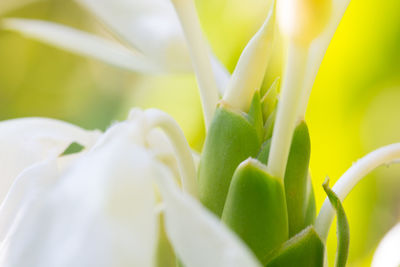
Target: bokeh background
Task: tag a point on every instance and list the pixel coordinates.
(354, 107)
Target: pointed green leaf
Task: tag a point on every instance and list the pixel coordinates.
(256, 208)
(255, 115)
(264, 152)
(296, 179)
(269, 125)
(232, 138)
(305, 249)
(343, 232)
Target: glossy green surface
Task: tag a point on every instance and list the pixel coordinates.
(296, 179)
(255, 208)
(232, 138)
(305, 249)
(343, 231)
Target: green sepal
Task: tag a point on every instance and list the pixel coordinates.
(233, 136)
(269, 125)
(343, 231)
(263, 154)
(299, 192)
(255, 208)
(270, 99)
(255, 115)
(296, 179)
(73, 148)
(306, 249)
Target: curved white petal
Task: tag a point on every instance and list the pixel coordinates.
(82, 43)
(318, 49)
(198, 237)
(100, 213)
(151, 26)
(387, 254)
(26, 141)
(30, 184)
(385, 155)
(251, 66)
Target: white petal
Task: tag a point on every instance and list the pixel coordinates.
(318, 49)
(82, 43)
(24, 142)
(251, 66)
(197, 236)
(151, 26)
(387, 254)
(221, 74)
(100, 213)
(30, 184)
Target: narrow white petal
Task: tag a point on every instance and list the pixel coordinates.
(100, 213)
(200, 56)
(288, 106)
(158, 119)
(318, 49)
(81, 43)
(197, 236)
(384, 155)
(151, 26)
(24, 142)
(387, 254)
(250, 69)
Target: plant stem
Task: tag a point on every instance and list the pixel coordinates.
(198, 50)
(288, 109)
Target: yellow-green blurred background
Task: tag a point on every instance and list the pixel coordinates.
(354, 107)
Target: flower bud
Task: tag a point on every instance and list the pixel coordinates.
(303, 20)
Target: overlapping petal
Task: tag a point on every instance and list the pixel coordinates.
(82, 43)
(100, 212)
(24, 142)
(151, 26)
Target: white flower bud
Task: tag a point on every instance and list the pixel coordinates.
(303, 20)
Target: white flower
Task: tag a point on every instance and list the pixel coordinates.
(101, 207)
(25, 142)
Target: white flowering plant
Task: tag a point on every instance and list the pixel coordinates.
(137, 195)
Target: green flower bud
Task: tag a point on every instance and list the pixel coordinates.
(255, 208)
(233, 137)
(305, 249)
(296, 181)
(298, 187)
